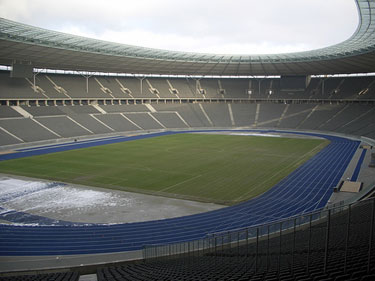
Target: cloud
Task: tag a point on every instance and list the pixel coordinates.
(221, 26)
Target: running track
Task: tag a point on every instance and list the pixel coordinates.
(306, 189)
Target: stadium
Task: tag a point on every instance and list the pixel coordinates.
(276, 153)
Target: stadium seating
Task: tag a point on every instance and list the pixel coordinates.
(53, 122)
(8, 112)
(107, 87)
(162, 86)
(16, 88)
(43, 120)
(320, 115)
(295, 115)
(218, 114)
(26, 130)
(191, 113)
(338, 248)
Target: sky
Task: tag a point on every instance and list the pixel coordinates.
(218, 26)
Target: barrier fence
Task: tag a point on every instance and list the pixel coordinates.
(333, 236)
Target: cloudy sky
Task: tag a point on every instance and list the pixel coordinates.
(217, 26)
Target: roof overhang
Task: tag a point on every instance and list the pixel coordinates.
(55, 50)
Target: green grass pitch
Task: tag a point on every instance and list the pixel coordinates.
(205, 167)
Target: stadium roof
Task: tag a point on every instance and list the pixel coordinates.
(55, 50)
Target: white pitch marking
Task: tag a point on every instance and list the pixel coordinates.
(169, 187)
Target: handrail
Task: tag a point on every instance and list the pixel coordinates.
(207, 242)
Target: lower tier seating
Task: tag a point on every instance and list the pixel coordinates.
(339, 248)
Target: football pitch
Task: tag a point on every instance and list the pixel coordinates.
(224, 169)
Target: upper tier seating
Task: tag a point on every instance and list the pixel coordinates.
(58, 86)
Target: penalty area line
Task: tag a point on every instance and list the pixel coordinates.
(174, 185)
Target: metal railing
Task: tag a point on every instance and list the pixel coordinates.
(316, 237)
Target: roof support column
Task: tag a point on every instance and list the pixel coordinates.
(141, 84)
(197, 86)
(87, 76)
(259, 81)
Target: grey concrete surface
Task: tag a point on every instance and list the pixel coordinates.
(86, 204)
(88, 277)
(38, 263)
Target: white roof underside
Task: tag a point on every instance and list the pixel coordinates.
(55, 50)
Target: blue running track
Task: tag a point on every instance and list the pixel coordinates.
(306, 189)
(358, 167)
